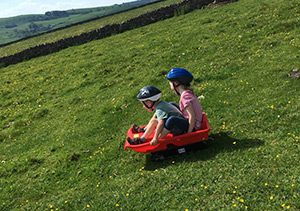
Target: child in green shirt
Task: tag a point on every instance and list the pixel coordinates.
(166, 119)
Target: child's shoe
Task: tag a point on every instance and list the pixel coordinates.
(136, 141)
(137, 129)
(141, 140)
(130, 141)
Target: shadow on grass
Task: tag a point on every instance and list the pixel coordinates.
(217, 143)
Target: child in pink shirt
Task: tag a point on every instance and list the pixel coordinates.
(189, 104)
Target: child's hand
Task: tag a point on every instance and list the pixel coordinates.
(153, 142)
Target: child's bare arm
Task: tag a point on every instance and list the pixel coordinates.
(159, 128)
(192, 118)
(150, 126)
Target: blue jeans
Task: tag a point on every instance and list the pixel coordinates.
(177, 125)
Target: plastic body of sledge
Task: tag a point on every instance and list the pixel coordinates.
(170, 140)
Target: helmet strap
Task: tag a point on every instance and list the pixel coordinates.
(150, 107)
(175, 88)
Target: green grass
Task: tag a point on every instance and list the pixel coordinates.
(18, 27)
(66, 115)
(81, 28)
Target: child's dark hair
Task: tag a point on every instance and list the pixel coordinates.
(188, 87)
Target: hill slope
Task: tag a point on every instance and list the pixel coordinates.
(15, 28)
(64, 116)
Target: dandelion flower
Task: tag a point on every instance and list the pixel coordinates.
(201, 97)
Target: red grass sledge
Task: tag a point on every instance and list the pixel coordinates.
(169, 140)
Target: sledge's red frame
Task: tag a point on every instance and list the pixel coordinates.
(163, 143)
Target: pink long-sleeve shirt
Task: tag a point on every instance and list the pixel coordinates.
(187, 98)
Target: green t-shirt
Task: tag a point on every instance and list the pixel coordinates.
(164, 110)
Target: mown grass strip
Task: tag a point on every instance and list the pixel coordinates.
(79, 29)
(28, 26)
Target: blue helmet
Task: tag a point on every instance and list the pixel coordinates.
(181, 75)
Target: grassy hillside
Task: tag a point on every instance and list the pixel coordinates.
(15, 28)
(81, 28)
(64, 117)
